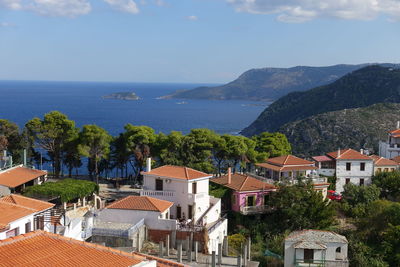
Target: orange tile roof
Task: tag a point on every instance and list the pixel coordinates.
(141, 203)
(286, 168)
(288, 160)
(348, 154)
(322, 158)
(41, 248)
(27, 202)
(160, 262)
(17, 176)
(381, 161)
(396, 159)
(11, 212)
(242, 183)
(397, 131)
(177, 172)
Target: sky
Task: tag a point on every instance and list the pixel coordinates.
(195, 41)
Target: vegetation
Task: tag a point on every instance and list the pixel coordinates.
(67, 189)
(361, 88)
(270, 83)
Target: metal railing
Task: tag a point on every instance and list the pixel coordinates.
(255, 209)
(310, 263)
(155, 193)
(218, 223)
(108, 231)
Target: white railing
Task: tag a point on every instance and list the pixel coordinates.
(196, 197)
(254, 209)
(155, 193)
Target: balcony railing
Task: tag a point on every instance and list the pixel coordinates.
(310, 263)
(158, 194)
(196, 197)
(255, 209)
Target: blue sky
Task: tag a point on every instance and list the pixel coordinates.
(211, 41)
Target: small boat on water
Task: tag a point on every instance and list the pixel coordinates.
(181, 103)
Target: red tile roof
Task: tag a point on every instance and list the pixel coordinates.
(177, 172)
(41, 248)
(11, 212)
(286, 168)
(396, 159)
(289, 160)
(17, 176)
(322, 158)
(27, 202)
(381, 161)
(349, 154)
(397, 131)
(160, 262)
(141, 203)
(242, 183)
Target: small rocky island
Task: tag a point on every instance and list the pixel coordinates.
(122, 96)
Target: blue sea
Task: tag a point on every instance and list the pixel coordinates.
(82, 102)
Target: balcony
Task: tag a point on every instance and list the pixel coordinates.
(197, 197)
(249, 210)
(167, 195)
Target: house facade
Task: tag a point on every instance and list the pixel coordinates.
(248, 195)
(188, 190)
(20, 215)
(390, 148)
(382, 164)
(316, 248)
(15, 179)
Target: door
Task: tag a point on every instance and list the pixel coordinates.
(159, 185)
(308, 255)
(39, 222)
(178, 212)
(190, 212)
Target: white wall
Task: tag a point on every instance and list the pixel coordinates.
(151, 218)
(20, 223)
(355, 174)
(217, 236)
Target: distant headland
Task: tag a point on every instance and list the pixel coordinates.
(122, 96)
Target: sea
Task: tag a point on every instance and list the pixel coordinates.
(82, 102)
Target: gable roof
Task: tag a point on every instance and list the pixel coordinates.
(11, 212)
(317, 236)
(381, 161)
(141, 203)
(322, 158)
(27, 202)
(242, 183)
(348, 154)
(41, 248)
(178, 172)
(396, 159)
(17, 176)
(288, 160)
(395, 133)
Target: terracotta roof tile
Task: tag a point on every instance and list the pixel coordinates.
(397, 131)
(348, 154)
(322, 158)
(10, 212)
(161, 262)
(288, 160)
(27, 202)
(16, 176)
(141, 203)
(381, 161)
(41, 248)
(242, 183)
(286, 168)
(396, 159)
(177, 172)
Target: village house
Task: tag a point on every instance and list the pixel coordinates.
(391, 147)
(41, 248)
(193, 207)
(128, 221)
(289, 169)
(20, 215)
(247, 194)
(316, 248)
(382, 164)
(15, 179)
(348, 165)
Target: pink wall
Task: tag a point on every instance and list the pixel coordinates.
(241, 199)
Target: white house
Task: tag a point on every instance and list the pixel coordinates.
(382, 164)
(316, 248)
(348, 165)
(20, 215)
(391, 147)
(193, 206)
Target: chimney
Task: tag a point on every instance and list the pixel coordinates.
(148, 164)
(229, 175)
(24, 157)
(398, 125)
(362, 151)
(338, 153)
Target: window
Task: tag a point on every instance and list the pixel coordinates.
(339, 250)
(347, 180)
(39, 222)
(362, 166)
(12, 233)
(361, 181)
(194, 188)
(190, 212)
(386, 170)
(178, 212)
(392, 169)
(234, 199)
(266, 199)
(348, 166)
(308, 255)
(379, 170)
(159, 185)
(27, 227)
(250, 201)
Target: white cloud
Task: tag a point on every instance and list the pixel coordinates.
(304, 10)
(192, 18)
(63, 8)
(128, 6)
